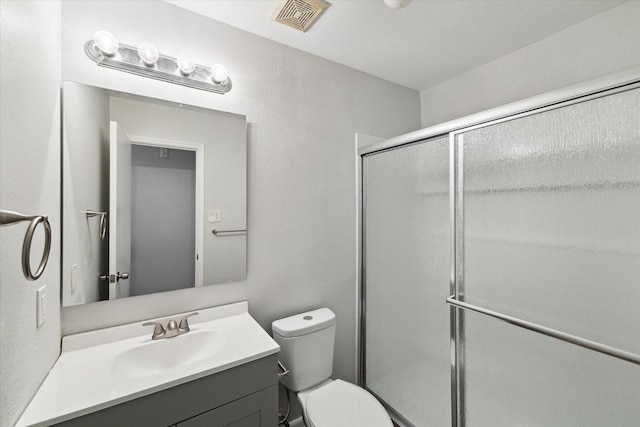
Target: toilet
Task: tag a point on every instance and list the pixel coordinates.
(306, 341)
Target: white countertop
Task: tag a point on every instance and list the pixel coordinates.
(83, 379)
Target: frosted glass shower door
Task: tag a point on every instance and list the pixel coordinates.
(407, 236)
(548, 226)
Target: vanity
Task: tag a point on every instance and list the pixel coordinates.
(223, 372)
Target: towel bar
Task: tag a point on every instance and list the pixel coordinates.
(218, 232)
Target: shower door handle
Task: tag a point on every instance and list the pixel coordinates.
(563, 336)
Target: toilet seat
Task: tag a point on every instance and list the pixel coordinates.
(342, 404)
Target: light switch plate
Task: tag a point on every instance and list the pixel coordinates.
(214, 215)
(41, 305)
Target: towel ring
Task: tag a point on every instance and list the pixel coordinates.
(10, 218)
(103, 221)
(26, 248)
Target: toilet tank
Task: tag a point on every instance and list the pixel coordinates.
(306, 347)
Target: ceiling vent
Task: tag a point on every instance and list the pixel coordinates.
(298, 14)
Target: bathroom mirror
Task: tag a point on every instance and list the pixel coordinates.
(154, 195)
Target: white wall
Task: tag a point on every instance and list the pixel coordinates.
(605, 43)
(30, 184)
(85, 162)
(303, 112)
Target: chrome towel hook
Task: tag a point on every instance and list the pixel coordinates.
(10, 218)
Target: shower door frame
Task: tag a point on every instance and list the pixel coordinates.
(625, 79)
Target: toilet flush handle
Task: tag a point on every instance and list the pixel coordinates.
(283, 371)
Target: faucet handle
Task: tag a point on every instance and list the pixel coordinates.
(184, 323)
(158, 331)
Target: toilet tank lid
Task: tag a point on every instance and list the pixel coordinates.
(304, 323)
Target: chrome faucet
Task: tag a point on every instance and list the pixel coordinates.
(173, 328)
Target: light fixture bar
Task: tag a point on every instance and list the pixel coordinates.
(166, 68)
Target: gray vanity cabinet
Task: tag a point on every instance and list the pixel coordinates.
(244, 396)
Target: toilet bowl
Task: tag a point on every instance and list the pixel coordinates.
(306, 348)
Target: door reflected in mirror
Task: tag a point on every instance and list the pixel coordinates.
(167, 175)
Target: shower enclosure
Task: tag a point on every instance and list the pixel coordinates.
(501, 264)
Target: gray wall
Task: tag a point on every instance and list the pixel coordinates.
(303, 112)
(85, 164)
(30, 184)
(163, 216)
(602, 44)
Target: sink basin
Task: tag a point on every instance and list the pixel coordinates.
(170, 353)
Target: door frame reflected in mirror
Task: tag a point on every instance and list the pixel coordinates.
(118, 289)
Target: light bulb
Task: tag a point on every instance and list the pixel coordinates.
(148, 53)
(219, 74)
(397, 4)
(106, 42)
(185, 64)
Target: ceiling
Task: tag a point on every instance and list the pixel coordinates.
(423, 44)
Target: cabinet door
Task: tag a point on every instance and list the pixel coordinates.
(256, 410)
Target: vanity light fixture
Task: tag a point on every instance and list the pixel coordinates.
(145, 60)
